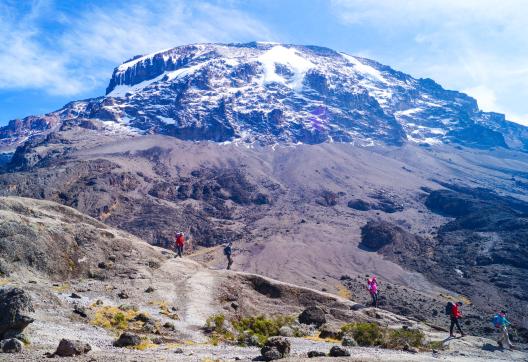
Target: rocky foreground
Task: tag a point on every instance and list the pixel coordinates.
(74, 287)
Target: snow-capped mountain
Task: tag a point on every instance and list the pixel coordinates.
(268, 93)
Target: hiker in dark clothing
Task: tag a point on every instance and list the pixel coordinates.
(227, 253)
(455, 315)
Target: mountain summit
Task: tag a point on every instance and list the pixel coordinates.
(270, 93)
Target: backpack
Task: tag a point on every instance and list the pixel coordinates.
(449, 308)
(227, 250)
(496, 321)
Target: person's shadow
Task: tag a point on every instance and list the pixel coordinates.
(491, 347)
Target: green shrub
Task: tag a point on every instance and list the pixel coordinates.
(119, 321)
(216, 323)
(398, 338)
(260, 327)
(365, 334)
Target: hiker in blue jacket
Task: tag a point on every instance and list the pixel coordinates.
(501, 325)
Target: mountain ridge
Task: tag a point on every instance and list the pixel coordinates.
(278, 93)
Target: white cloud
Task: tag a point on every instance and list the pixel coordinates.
(477, 45)
(96, 39)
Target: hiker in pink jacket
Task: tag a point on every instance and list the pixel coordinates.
(372, 286)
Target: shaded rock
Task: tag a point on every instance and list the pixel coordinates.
(359, 205)
(157, 340)
(127, 339)
(75, 296)
(313, 354)
(328, 331)
(68, 348)
(169, 326)
(80, 310)
(122, 294)
(11, 345)
(149, 290)
(178, 350)
(337, 351)
(15, 303)
(376, 234)
(150, 327)
(142, 317)
(313, 315)
(276, 348)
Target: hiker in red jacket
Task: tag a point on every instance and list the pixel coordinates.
(455, 316)
(180, 241)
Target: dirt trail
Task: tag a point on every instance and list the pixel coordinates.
(199, 298)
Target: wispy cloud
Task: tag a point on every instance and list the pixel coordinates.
(88, 42)
(476, 45)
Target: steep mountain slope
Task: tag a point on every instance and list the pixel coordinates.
(273, 93)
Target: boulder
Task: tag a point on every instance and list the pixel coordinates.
(337, 351)
(127, 339)
(15, 304)
(328, 331)
(348, 342)
(276, 348)
(122, 295)
(11, 345)
(286, 331)
(80, 310)
(69, 348)
(313, 315)
(313, 354)
(359, 205)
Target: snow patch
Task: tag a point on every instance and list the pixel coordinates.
(286, 56)
(366, 70)
(167, 120)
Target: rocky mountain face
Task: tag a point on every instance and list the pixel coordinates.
(322, 165)
(272, 93)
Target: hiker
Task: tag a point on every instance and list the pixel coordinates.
(501, 326)
(372, 286)
(452, 309)
(180, 241)
(227, 253)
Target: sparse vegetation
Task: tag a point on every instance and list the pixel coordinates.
(114, 318)
(258, 328)
(343, 291)
(398, 338)
(365, 334)
(371, 334)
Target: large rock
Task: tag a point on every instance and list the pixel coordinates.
(328, 331)
(313, 315)
(68, 348)
(127, 339)
(348, 341)
(337, 351)
(11, 345)
(276, 348)
(15, 304)
(377, 233)
(314, 354)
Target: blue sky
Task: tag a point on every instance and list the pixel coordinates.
(52, 52)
